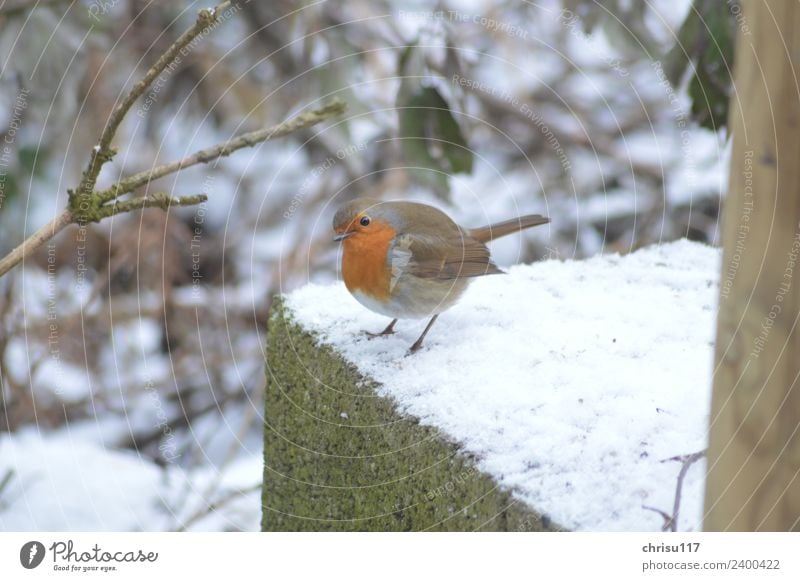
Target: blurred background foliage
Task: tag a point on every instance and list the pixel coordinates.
(608, 117)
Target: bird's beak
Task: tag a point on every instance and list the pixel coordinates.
(342, 235)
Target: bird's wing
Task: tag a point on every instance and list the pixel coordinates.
(444, 258)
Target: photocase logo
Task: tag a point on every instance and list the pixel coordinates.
(31, 554)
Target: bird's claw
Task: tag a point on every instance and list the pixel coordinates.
(413, 349)
(371, 335)
(389, 330)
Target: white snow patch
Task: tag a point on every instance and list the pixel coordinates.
(59, 484)
(62, 482)
(573, 383)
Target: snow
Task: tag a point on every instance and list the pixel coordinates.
(573, 383)
(65, 482)
(61, 484)
(68, 382)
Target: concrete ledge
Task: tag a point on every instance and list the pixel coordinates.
(340, 458)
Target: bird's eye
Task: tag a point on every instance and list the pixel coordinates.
(364, 221)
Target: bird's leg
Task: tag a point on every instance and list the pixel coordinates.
(418, 343)
(387, 331)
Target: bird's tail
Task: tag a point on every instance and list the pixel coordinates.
(492, 231)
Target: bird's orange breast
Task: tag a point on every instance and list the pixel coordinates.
(365, 266)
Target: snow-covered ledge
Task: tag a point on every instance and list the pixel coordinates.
(561, 394)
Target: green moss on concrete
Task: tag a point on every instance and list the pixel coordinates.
(340, 458)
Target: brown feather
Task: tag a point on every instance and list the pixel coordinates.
(445, 258)
(492, 231)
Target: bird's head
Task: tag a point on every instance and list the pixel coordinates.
(363, 218)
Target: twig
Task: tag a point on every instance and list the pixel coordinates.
(199, 450)
(5, 480)
(65, 218)
(141, 441)
(158, 200)
(215, 506)
(234, 447)
(81, 199)
(671, 521)
(688, 460)
(302, 121)
(34, 241)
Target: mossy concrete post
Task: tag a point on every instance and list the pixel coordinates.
(338, 457)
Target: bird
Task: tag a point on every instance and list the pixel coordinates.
(409, 260)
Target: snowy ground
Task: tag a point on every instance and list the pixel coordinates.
(573, 383)
(65, 482)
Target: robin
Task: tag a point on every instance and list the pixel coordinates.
(408, 260)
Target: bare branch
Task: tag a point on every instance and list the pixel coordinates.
(33, 242)
(688, 460)
(302, 121)
(6, 479)
(98, 207)
(157, 200)
(671, 521)
(103, 152)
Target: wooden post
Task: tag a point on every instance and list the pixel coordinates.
(753, 479)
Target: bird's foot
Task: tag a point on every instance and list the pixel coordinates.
(371, 335)
(418, 343)
(389, 330)
(414, 348)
